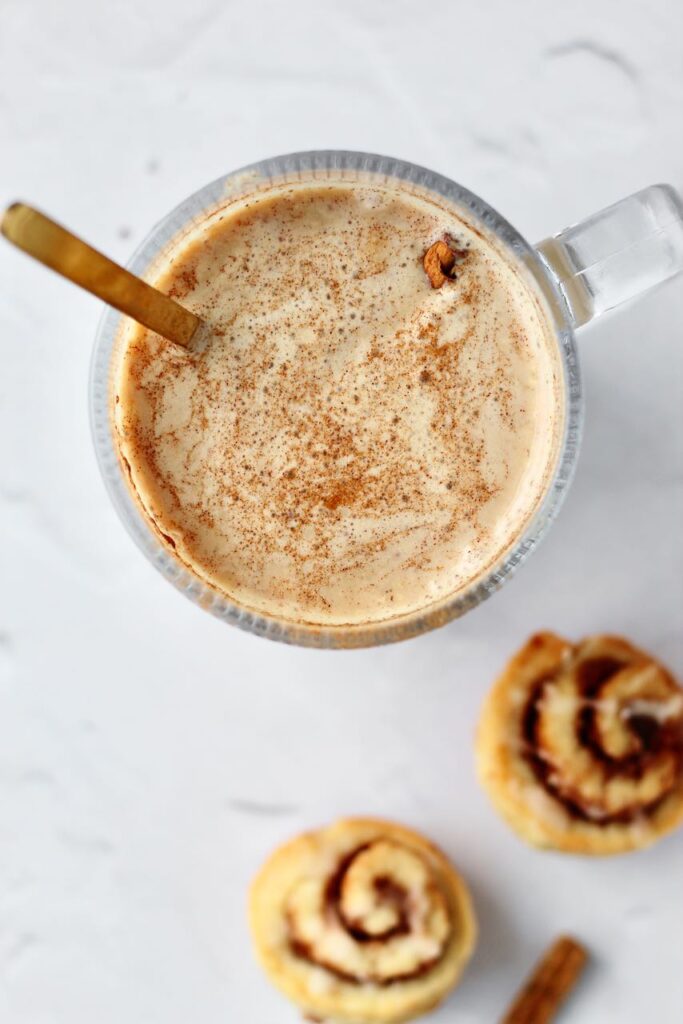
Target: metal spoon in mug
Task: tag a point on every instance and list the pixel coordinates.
(57, 248)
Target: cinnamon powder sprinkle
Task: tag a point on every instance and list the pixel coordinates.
(346, 443)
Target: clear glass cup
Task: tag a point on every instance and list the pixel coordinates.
(613, 256)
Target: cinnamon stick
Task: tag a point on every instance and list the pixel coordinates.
(548, 986)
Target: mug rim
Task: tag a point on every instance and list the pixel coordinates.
(321, 164)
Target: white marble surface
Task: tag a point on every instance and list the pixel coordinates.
(151, 756)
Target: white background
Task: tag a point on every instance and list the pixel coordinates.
(151, 756)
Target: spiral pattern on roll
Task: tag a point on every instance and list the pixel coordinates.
(364, 920)
(381, 917)
(598, 727)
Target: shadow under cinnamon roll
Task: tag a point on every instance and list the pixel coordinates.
(364, 921)
(580, 747)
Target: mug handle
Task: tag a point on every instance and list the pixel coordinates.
(618, 253)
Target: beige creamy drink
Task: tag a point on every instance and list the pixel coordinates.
(347, 442)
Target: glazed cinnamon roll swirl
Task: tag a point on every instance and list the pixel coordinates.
(363, 922)
(580, 747)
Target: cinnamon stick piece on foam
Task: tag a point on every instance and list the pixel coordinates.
(547, 987)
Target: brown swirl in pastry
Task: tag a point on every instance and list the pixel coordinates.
(380, 896)
(364, 920)
(599, 728)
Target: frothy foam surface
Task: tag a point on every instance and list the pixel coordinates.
(346, 443)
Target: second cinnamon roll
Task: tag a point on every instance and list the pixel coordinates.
(580, 747)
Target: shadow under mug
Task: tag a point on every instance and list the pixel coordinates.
(580, 273)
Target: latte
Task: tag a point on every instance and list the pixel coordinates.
(368, 420)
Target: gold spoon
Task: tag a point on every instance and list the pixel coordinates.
(58, 249)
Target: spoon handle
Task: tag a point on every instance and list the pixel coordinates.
(58, 249)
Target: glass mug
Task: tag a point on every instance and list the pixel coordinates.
(590, 267)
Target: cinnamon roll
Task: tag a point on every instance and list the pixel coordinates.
(364, 921)
(580, 747)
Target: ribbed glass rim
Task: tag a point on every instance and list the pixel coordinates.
(328, 164)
